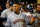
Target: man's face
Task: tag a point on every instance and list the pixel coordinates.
(7, 5)
(38, 7)
(16, 7)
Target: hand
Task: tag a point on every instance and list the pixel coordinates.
(18, 20)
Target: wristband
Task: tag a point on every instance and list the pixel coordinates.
(33, 18)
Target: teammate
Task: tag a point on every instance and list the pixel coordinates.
(37, 20)
(26, 11)
(7, 4)
(6, 12)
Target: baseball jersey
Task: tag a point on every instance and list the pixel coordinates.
(13, 17)
(37, 20)
(5, 13)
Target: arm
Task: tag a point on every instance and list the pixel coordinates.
(32, 20)
(2, 19)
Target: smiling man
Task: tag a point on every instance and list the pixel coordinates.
(16, 19)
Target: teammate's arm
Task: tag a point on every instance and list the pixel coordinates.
(32, 20)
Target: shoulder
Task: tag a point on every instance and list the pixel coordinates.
(24, 15)
(5, 10)
(10, 15)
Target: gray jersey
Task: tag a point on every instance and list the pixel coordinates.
(37, 20)
(5, 13)
(12, 17)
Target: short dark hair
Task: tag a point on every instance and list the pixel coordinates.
(38, 4)
(16, 3)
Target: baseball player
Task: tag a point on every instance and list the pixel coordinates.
(6, 12)
(16, 19)
(37, 20)
(26, 11)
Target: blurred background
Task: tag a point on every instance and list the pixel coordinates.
(3, 2)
